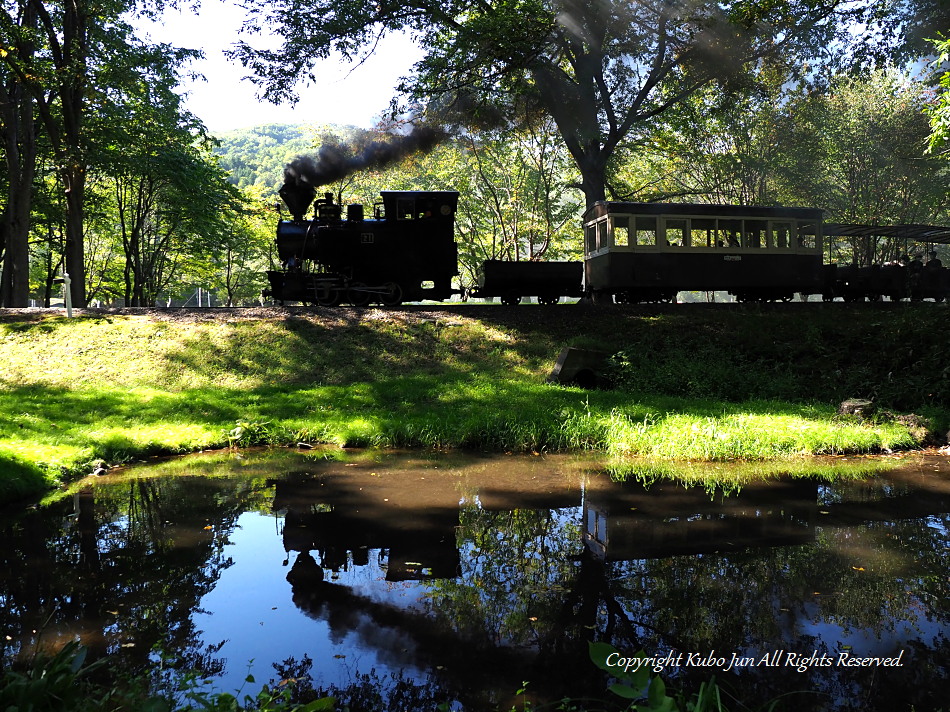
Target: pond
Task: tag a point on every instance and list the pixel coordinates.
(400, 581)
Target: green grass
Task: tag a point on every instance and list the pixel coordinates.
(113, 389)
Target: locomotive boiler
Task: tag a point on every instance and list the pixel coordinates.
(405, 252)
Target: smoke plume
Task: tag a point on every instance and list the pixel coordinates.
(334, 162)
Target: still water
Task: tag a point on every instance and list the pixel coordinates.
(398, 581)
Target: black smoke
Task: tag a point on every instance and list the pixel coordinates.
(334, 162)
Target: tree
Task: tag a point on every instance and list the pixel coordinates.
(56, 78)
(56, 52)
(168, 192)
(245, 251)
(864, 158)
(717, 147)
(602, 71)
(17, 24)
(939, 109)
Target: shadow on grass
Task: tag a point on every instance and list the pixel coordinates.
(345, 350)
(468, 383)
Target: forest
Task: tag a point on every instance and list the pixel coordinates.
(543, 107)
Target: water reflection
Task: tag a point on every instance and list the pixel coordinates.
(401, 582)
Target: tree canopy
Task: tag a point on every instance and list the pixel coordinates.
(602, 71)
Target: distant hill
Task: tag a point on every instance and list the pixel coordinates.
(257, 155)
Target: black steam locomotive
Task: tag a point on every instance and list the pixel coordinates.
(406, 252)
(633, 252)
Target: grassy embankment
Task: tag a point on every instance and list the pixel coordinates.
(697, 383)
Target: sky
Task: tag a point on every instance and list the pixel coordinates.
(346, 94)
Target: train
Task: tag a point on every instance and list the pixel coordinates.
(633, 253)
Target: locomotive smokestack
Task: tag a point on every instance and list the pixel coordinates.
(297, 194)
(334, 162)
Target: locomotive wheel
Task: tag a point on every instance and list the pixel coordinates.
(329, 297)
(509, 300)
(392, 295)
(548, 300)
(358, 295)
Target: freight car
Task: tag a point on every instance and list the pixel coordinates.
(510, 281)
(405, 252)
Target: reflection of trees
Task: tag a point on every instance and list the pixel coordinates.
(520, 573)
(369, 692)
(515, 568)
(871, 579)
(124, 570)
(137, 558)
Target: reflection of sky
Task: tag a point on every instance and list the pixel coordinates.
(866, 643)
(251, 607)
(858, 577)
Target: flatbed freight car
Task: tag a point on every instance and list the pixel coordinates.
(511, 281)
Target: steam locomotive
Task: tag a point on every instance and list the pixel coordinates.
(633, 252)
(406, 252)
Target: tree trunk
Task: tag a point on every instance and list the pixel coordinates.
(74, 180)
(19, 142)
(593, 180)
(21, 165)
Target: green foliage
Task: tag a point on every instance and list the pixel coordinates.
(872, 135)
(60, 683)
(197, 695)
(639, 685)
(64, 683)
(21, 479)
(939, 109)
(246, 433)
(256, 156)
(602, 72)
(854, 148)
